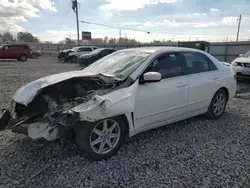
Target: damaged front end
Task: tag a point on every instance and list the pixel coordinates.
(49, 115)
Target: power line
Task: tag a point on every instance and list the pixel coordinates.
(116, 27)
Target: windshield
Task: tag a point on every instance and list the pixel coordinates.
(75, 48)
(120, 64)
(1, 46)
(246, 54)
(96, 51)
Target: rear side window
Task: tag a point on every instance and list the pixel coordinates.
(85, 49)
(169, 65)
(15, 47)
(197, 63)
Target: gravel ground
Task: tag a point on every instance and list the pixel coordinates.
(194, 153)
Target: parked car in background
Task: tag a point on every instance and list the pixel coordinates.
(36, 53)
(78, 51)
(63, 54)
(241, 65)
(122, 94)
(21, 52)
(87, 59)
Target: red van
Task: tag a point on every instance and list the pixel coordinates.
(21, 52)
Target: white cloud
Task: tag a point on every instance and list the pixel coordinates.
(204, 25)
(132, 4)
(195, 14)
(149, 24)
(173, 23)
(131, 23)
(214, 10)
(44, 4)
(229, 20)
(12, 13)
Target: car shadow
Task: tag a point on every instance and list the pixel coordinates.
(8, 60)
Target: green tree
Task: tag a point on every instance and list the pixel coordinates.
(7, 36)
(26, 37)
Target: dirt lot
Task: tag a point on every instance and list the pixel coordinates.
(194, 153)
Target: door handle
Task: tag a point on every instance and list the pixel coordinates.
(181, 84)
(215, 77)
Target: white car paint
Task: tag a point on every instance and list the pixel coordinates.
(239, 65)
(148, 105)
(79, 53)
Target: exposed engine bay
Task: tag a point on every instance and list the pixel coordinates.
(49, 115)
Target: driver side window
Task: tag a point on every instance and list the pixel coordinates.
(6, 48)
(169, 65)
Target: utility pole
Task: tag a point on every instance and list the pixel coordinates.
(120, 33)
(75, 8)
(238, 31)
(126, 38)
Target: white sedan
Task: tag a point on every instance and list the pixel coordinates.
(122, 94)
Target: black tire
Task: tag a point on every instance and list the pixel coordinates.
(211, 111)
(73, 59)
(23, 58)
(84, 133)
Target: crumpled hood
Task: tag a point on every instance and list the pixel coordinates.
(242, 60)
(26, 93)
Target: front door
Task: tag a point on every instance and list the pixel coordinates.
(163, 101)
(4, 52)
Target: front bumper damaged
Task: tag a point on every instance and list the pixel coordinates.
(37, 127)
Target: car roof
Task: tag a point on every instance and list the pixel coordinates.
(86, 46)
(106, 49)
(160, 49)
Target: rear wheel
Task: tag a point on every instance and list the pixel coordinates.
(218, 104)
(22, 58)
(100, 140)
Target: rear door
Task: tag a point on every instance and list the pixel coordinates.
(15, 51)
(84, 50)
(203, 80)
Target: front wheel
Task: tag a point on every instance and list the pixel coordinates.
(102, 139)
(218, 104)
(73, 59)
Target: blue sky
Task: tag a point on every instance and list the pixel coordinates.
(213, 20)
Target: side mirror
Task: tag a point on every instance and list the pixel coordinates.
(240, 55)
(152, 77)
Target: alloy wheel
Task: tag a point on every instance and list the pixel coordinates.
(219, 104)
(105, 136)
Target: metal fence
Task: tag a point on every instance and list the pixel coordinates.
(223, 51)
(229, 51)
